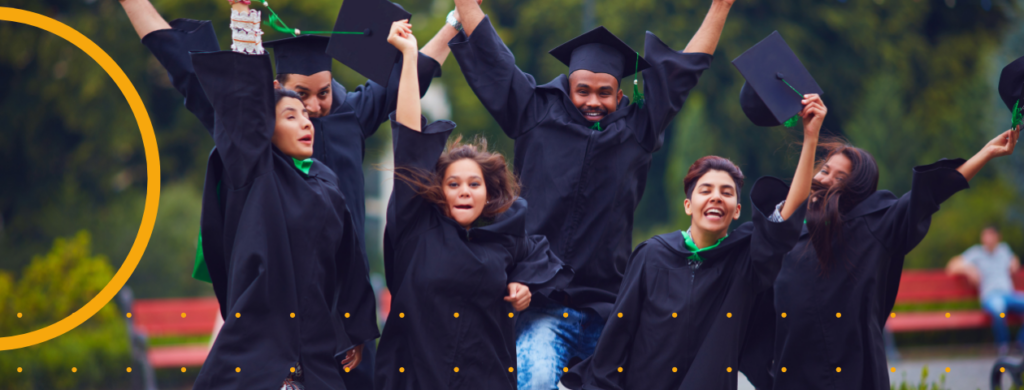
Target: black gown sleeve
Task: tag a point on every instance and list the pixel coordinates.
(770, 241)
(491, 71)
(601, 370)
(171, 47)
(416, 153)
(356, 305)
(538, 267)
(373, 102)
(241, 90)
(667, 84)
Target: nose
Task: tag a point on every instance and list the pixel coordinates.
(312, 105)
(827, 180)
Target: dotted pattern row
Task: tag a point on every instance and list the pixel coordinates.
(511, 369)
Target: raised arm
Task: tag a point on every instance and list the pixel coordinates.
(813, 115)
(409, 110)
(1001, 145)
(706, 38)
(144, 17)
(470, 14)
(437, 47)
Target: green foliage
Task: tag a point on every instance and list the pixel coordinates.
(923, 384)
(98, 349)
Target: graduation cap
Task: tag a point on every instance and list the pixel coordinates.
(600, 51)
(776, 82)
(368, 53)
(301, 55)
(1011, 84)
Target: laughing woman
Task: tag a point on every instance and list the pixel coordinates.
(277, 235)
(686, 299)
(462, 263)
(838, 286)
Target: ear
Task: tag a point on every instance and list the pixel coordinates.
(619, 98)
(736, 216)
(277, 85)
(686, 207)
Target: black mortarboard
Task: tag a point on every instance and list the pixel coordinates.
(368, 53)
(303, 55)
(776, 82)
(600, 51)
(1011, 83)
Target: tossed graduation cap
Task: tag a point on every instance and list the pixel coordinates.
(776, 82)
(303, 55)
(368, 53)
(1011, 84)
(600, 51)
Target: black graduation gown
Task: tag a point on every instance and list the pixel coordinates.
(583, 185)
(445, 269)
(277, 242)
(683, 322)
(811, 342)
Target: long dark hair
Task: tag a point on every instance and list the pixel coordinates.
(502, 185)
(829, 204)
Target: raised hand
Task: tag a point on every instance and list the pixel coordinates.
(519, 296)
(401, 37)
(813, 114)
(1003, 144)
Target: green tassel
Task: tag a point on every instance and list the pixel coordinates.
(596, 126)
(638, 97)
(792, 122)
(275, 22)
(1016, 117)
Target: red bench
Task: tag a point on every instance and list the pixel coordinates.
(934, 286)
(163, 317)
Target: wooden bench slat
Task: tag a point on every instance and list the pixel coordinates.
(192, 355)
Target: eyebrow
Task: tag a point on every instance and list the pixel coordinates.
(457, 176)
(729, 186)
(286, 109)
(581, 85)
(605, 88)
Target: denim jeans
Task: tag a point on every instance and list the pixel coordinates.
(547, 336)
(997, 303)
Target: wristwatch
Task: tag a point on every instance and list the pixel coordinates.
(454, 22)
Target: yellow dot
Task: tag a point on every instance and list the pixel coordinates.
(947, 315)
(182, 315)
(347, 369)
(892, 315)
(1001, 315)
(839, 315)
(947, 369)
(728, 369)
(674, 315)
(510, 369)
(347, 315)
(728, 315)
(510, 315)
(783, 369)
(620, 369)
(401, 369)
(238, 315)
(783, 314)
(74, 369)
(566, 315)
(19, 315)
(565, 369)
(838, 369)
(183, 369)
(1002, 369)
(129, 315)
(892, 369)
(129, 369)
(19, 369)
(456, 315)
(292, 369)
(674, 369)
(620, 314)
(456, 369)
(401, 315)
(238, 369)
(292, 315)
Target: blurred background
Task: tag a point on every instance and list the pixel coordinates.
(910, 81)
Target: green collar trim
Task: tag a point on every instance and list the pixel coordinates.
(303, 165)
(692, 247)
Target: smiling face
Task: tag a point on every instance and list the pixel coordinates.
(315, 91)
(293, 132)
(465, 191)
(714, 203)
(595, 94)
(835, 170)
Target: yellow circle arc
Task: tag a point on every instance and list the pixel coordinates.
(152, 184)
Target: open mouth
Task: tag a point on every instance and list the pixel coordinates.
(464, 207)
(594, 114)
(714, 214)
(306, 140)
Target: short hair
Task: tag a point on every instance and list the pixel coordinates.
(712, 163)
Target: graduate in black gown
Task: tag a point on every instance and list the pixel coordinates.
(583, 153)
(463, 265)
(685, 303)
(279, 240)
(838, 285)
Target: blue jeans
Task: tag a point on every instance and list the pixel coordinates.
(997, 303)
(546, 339)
